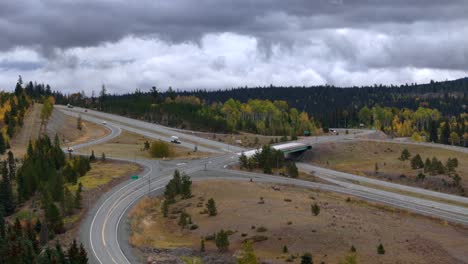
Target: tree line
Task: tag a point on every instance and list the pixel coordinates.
(422, 124)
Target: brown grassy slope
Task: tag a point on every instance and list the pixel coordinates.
(328, 236)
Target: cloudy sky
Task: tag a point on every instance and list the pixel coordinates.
(188, 44)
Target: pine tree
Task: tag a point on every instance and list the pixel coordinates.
(315, 208)
(306, 259)
(186, 187)
(60, 255)
(222, 240)
(285, 249)
(82, 256)
(165, 208)
(248, 256)
(2, 144)
(380, 249)
(103, 157)
(73, 253)
(293, 172)
(68, 202)
(405, 154)
(44, 234)
(416, 162)
(433, 132)
(11, 165)
(6, 193)
(92, 157)
(211, 207)
(54, 218)
(78, 198)
(445, 134)
(202, 245)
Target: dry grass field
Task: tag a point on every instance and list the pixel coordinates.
(284, 218)
(130, 145)
(360, 158)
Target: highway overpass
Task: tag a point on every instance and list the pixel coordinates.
(286, 148)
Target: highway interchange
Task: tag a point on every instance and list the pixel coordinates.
(104, 231)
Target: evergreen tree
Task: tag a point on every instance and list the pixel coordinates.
(380, 249)
(165, 208)
(202, 245)
(211, 207)
(77, 203)
(2, 144)
(82, 256)
(68, 202)
(7, 200)
(222, 240)
(186, 187)
(248, 255)
(11, 165)
(44, 234)
(54, 218)
(433, 132)
(306, 259)
(73, 253)
(60, 254)
(293, 172)
(416, 162)
(315, 208)
(405, 154)
(445, 134)
(92, 157)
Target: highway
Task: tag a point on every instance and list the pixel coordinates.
(104, 233)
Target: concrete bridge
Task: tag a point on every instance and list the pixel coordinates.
(286, 148)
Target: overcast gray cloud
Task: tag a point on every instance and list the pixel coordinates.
(187, 44)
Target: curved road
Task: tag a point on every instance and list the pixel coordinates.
(104, 234)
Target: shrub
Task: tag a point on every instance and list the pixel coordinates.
(262, 229)
(381, 249)
(315, 208)
(160, 149)
(405, 154)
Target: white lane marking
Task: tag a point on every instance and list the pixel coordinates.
(181, 164)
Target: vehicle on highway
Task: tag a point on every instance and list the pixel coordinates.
(86, 110)
(334, 132)
(104, 122)
(175, 140)
(70, 149)
(69, 106)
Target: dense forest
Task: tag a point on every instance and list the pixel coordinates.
(37, 182)
(434, 112)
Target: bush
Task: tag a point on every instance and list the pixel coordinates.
(417, 162)
(381, 249)
(262, 229)
(405, 154)
(315, 208)
(160, 149)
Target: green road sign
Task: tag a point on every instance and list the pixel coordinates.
(134, 177)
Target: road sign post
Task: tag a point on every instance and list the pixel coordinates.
(134, 177)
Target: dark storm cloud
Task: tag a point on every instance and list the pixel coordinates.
(224, 43)
(65, 23)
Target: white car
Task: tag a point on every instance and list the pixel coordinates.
(175, 140)
(104, 122)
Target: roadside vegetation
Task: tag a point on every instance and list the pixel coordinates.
(269, 160)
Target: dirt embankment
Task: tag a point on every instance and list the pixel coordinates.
(282, 216)
(66, 128)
